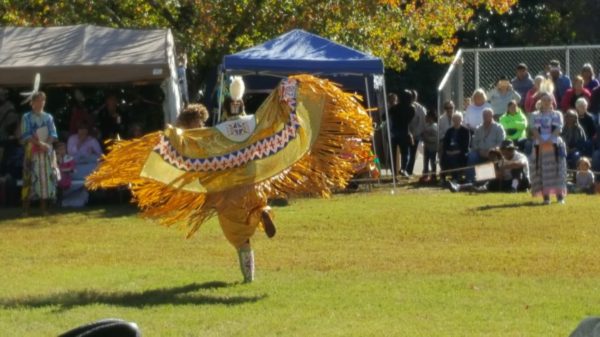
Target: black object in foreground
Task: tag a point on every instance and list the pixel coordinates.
(105, 328)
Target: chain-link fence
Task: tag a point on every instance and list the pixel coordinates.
(480, 68)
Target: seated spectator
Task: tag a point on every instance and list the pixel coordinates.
(83, 147)
(501, 95)
(515, 123)
(512, 170)
(522, 82)
(586, 120)
(573, 94)
(445, 120)
(584, 178)
(455, 147)
(487, 136)
(86, 151)
(594, 107)
(66, 166)
(589, 81)
(474, 112)
(574, 138)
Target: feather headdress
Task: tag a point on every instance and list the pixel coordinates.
(36, 88)
(237, 88)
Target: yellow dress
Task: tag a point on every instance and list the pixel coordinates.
(308, 138)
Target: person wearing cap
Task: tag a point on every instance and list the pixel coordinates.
(522, 82)
(561, 82)
(512, 169)
(501, 95)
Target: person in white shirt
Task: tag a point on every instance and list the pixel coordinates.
(512, 170)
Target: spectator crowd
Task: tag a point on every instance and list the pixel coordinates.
(539, 133)
(45, 162)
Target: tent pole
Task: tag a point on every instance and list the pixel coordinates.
(389, 136)
(373, 147)
(217, 116)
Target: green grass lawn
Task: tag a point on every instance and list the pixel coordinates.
(418, 263)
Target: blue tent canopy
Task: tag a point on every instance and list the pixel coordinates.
(298, 51)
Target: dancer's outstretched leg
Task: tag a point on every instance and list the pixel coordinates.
(246, 256)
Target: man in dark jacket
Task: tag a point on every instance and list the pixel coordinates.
(401, 115)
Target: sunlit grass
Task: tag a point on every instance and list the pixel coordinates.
(418, 263)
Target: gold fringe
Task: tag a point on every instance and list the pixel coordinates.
(325, 166)
(123, 164)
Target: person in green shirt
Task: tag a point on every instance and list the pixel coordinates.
(514, 123)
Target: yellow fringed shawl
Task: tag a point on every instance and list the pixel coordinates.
(183, 176)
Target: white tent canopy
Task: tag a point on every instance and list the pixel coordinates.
(86, 54)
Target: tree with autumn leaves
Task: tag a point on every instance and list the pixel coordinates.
(206, 30)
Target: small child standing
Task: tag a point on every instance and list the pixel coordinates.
(584, 178)
(66, 167)
(430, 145)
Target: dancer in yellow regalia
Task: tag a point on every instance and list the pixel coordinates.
(296, 143)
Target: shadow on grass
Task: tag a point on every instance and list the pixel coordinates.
(511, 205)
(108, 211)
(175, 296)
